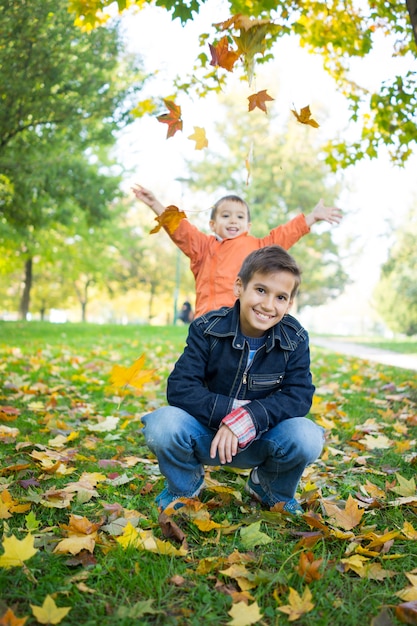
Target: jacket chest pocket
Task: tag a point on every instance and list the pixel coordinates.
(264, 382)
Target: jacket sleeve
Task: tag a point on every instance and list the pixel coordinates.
(286, 235)
(186, 387)
(191, 241)
(293, 399)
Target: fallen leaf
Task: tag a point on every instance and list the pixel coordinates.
(10, 619)
(49, 613)
(346, 518)
(244, 614)
(16, 551)
(297, 605)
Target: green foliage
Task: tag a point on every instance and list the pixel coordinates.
(396, 292)
(339, 32)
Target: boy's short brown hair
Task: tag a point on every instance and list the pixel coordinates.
(232, 198)
(267, 261)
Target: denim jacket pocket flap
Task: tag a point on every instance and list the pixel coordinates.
(264, 382)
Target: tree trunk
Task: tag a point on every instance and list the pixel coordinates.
(25, 300)
(412, 11)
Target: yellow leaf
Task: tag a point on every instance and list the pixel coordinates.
(76, 543)
(304, 117)
(145, 540)
(199, 136)
(144, 107)
(134, 376)
(298, 605)
(17, 551)
(49, 613)
(244, 614)
(376, 443)
(170, 219)
(405, 487)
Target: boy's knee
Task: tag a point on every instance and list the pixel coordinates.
(161, 425)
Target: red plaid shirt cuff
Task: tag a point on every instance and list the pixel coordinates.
(241, 424)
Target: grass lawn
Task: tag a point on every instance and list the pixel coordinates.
(82, 542)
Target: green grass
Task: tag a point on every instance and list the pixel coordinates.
(57, 378)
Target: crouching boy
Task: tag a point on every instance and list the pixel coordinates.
(240, 392)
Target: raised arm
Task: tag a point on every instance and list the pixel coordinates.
(148, 198)
(320, 213)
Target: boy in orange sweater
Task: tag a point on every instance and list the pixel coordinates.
(215, 260)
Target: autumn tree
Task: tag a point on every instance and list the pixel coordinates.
(64, 95)
(396, 292)
(339, 32)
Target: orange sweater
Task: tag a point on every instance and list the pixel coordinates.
(215, 264)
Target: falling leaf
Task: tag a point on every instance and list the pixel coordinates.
(304, 117)
(49, 613)
(297, 605)
(248, 163)
(258, 100)
(252, 41)
(16, 551)
(133, 376)
(244, 614)
(221, 56)
(10, 619)
(169, 219)
(173, 118)
(199, 136)
(346, 518)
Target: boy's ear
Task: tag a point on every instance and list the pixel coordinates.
(238, 287)
(211, 224)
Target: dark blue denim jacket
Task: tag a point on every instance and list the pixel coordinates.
(212, 371)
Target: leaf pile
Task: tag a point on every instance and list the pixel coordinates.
(77, 485)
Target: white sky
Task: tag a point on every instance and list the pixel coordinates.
(375, 193)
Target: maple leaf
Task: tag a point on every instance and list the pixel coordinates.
(252, 536)
(173, 118)
(308, 568)
(252, 41)
(346, 518)
(133, 376)
(199, 136)
(407, 612)
(245, 614)
(258, 100)
(16, 551)
(9, 413)
(304, 117)
(298, 605)
(49, 613)
(169, 219)
(405, 487)
(221, 56)
(10, 619)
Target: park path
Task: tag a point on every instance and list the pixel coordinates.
(387, 357)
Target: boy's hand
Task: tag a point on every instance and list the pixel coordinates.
(329, 214)
(225, 444)
(148, 198)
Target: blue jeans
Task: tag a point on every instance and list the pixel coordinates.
(182, 447)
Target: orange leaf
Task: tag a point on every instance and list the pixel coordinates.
(258, 100)
(308, 568)
(9, 413)
(170, 219)
(221, 56)
(407, 612)
(173, 118)
(346, 518)
(304, 117)
(10, 619)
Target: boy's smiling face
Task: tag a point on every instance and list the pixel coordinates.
(230, 220)
(264, 301)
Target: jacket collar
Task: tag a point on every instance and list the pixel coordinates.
(225, 323)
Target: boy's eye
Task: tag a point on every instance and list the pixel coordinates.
(260, 289)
